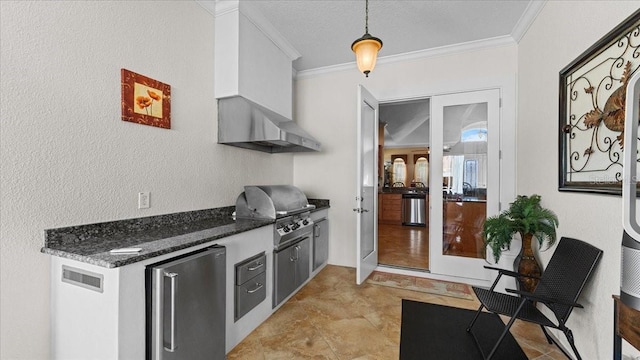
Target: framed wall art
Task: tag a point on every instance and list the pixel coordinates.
(592, 103)
(145, 100)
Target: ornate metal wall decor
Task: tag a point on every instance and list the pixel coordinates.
(592, 100)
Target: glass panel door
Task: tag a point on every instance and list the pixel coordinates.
(367, 186)
(465, 166)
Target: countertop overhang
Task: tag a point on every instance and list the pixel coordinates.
(155, 235)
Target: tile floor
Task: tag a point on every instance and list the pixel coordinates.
(333, 318)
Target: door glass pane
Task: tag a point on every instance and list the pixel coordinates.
(464, 182)
(369, 174)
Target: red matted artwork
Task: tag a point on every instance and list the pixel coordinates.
(145, 101)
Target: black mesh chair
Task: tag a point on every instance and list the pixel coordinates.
(560, 285)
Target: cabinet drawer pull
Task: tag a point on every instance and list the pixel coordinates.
(256, 267)
(258, 287)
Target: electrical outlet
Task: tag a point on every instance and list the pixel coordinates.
(143, 200)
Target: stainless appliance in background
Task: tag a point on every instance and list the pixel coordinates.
(186, 306)
(290, 208)
(414, 210)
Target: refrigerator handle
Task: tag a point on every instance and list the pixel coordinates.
(173, 277)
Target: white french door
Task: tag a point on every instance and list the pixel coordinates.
(464, 179)
(367, 185)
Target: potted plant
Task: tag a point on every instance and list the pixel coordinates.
(528, 218)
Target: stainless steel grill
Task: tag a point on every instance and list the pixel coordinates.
(286, 204)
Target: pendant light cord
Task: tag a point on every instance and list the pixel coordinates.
(366, 17)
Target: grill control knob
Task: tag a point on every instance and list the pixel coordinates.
(295, 226)
(286, 228)
(305, 222)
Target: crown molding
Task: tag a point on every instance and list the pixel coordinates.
(528, 17)
(301, 74)
(221, 7)
(209, 5)
(267, 28)
(416, 55)
(449, 49)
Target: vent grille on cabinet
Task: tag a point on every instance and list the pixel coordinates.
(82, 278)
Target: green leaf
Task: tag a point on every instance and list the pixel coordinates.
(524, 216)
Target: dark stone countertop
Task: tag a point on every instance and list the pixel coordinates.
(155, 235)
(319, 203)
(403, 190)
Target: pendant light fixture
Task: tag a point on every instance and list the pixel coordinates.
(366, 47)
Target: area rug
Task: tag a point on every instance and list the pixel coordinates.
(437, 332)
(437, 287)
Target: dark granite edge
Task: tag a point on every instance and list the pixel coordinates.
(108, 260)
(82, 258)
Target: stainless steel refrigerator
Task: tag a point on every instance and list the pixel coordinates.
(186, 306)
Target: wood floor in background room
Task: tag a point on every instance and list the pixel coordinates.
(333, 318)
(403, 246)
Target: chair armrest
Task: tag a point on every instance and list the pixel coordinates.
(544, 299)
(510, 273)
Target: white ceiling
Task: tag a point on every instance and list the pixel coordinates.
(322, 30)
(406, 123)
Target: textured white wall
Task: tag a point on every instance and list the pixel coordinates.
(326, 107)
(561, 32)
(66, 157)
